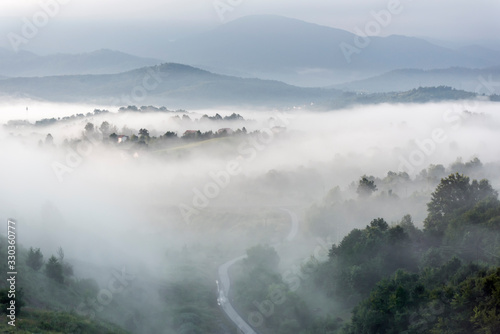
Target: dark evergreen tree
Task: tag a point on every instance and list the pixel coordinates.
(35, 259)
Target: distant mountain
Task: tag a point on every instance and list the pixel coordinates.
(402, 80)
(28, 64)
(480, 52)
(274, 47)
(167, 84)
(181, 86)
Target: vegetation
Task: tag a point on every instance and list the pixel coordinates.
(190, 297)
(46, 296)
(35, 259)
(54, 270)
(51, 300)
(416, 95)
(262, 294)
(5, 298)
(443, 279)
(366, 187)
(43, 321)
(384, 276)
(395, 278)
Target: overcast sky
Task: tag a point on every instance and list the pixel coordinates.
(86, 25)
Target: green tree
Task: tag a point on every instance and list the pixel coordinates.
(366, 187)
(35, 259)
(453, 196)
(54, 270)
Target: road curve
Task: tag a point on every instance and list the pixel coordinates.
(223, 292)
(295, 224)
(223, 284)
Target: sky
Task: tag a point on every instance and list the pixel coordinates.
(137, 26)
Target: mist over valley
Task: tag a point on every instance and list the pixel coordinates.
(249, 168)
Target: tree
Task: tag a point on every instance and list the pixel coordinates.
(35, 259)
(170, 134)
(333, 196)
(104, 128)
(262, 256)
(66, 267)
(366, 187)
(435, 173)
(143, 133)
(379, 223)
(113, 137)
(453, 196)
(409, 227)
(49, 140)
(89, 128)
(54, 270)
(60, 254)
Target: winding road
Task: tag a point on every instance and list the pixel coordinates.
(223, 284)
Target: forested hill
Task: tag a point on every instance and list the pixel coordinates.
(394, 278)
(189, 87)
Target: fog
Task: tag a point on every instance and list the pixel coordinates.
(108, 206)
(335, 148)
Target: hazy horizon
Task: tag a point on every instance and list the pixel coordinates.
(141, 27)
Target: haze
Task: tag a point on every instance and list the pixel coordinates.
(256, 167)
(93, 25)
(325, 147)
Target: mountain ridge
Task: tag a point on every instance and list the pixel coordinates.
(181, 86)
(169, 83)
(405, 79)
(276, 47)
(268, 47)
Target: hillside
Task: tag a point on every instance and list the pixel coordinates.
(167, 84)
(406, 79)
(181, 86)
